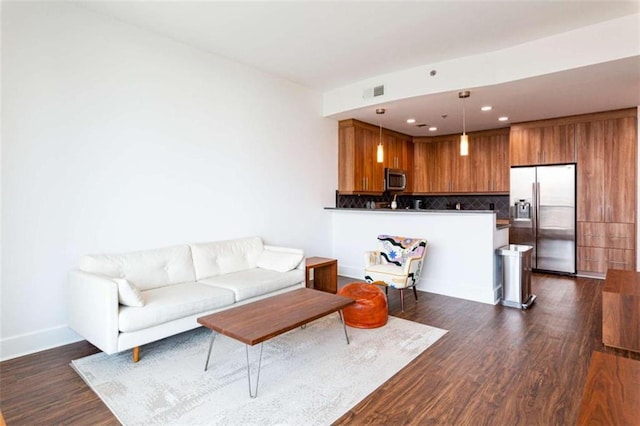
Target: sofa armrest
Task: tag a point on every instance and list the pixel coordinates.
(277, 249)
(93, 309)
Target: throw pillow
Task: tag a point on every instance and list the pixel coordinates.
(278, 261)
(128, 294)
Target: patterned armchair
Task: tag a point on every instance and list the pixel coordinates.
(397, 263)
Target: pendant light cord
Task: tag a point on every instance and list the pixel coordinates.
(464, 119)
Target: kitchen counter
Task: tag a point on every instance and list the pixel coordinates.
(460, 261)
(500, 223)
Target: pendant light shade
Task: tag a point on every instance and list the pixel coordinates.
(464, 139)
(380, 151)
(464, 145)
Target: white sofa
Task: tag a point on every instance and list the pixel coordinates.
(123, 301)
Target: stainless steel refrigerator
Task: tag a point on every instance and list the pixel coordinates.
(542, 214)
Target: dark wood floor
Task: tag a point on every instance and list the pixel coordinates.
(496, 366)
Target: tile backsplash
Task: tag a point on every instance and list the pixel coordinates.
(445, 202)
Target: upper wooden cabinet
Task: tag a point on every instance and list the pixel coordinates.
(489, 153)
(358, 169)
(424, 173)
(439, 167)
(396, 151)
(607, 170)
(444, 164)
(541, 143)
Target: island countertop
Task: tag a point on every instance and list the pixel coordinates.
(500, 223)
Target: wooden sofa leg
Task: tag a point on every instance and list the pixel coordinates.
(136, 354)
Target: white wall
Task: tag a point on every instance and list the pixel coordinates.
(118, 139)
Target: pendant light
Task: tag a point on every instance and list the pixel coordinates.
(464, 139)
(380, 151)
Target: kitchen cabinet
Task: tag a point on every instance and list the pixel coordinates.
(439, 167)
(499, 162)
(539, 143)
(597, 260)
(607, 235)
(489, 160)
(398, 154)
(424, 173)
(606, 191)
(605, 245)
(444, 164)
(610, 235)
(620, 174)
(358, 169)
(607, 170)
(395, 151)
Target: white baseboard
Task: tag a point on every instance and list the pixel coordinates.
(28, 343)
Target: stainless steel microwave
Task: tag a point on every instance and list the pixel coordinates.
(395, 179)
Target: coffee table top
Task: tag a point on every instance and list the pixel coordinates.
(258, 321)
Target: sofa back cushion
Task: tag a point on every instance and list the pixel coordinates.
(225, 257)
(145, 269)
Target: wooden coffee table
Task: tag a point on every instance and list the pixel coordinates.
(259, 321)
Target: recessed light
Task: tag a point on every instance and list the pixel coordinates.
(411, 120)
(486, 108)
(503, 119)
(433, 128)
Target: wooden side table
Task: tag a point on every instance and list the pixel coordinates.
(621, 310)
(325, 273)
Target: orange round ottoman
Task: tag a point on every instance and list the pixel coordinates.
(370, 309)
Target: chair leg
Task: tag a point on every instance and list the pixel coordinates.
(402, 299)
(386, 290)
(415, 292)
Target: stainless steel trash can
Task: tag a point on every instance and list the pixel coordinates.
(515, 261)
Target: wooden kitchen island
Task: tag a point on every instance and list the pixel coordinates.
(460, 260)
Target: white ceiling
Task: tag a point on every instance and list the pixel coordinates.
(324, 45)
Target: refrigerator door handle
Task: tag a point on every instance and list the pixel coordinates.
(534, 208)
(537, 209)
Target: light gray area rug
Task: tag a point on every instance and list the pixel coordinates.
(309, 376)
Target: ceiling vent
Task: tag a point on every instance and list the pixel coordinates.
(373, 92)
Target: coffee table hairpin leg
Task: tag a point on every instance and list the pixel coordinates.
(253, 393)
(344, 326)
(213, 338)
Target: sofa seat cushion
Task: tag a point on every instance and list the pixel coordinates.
(172, 302)
(255, 282)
